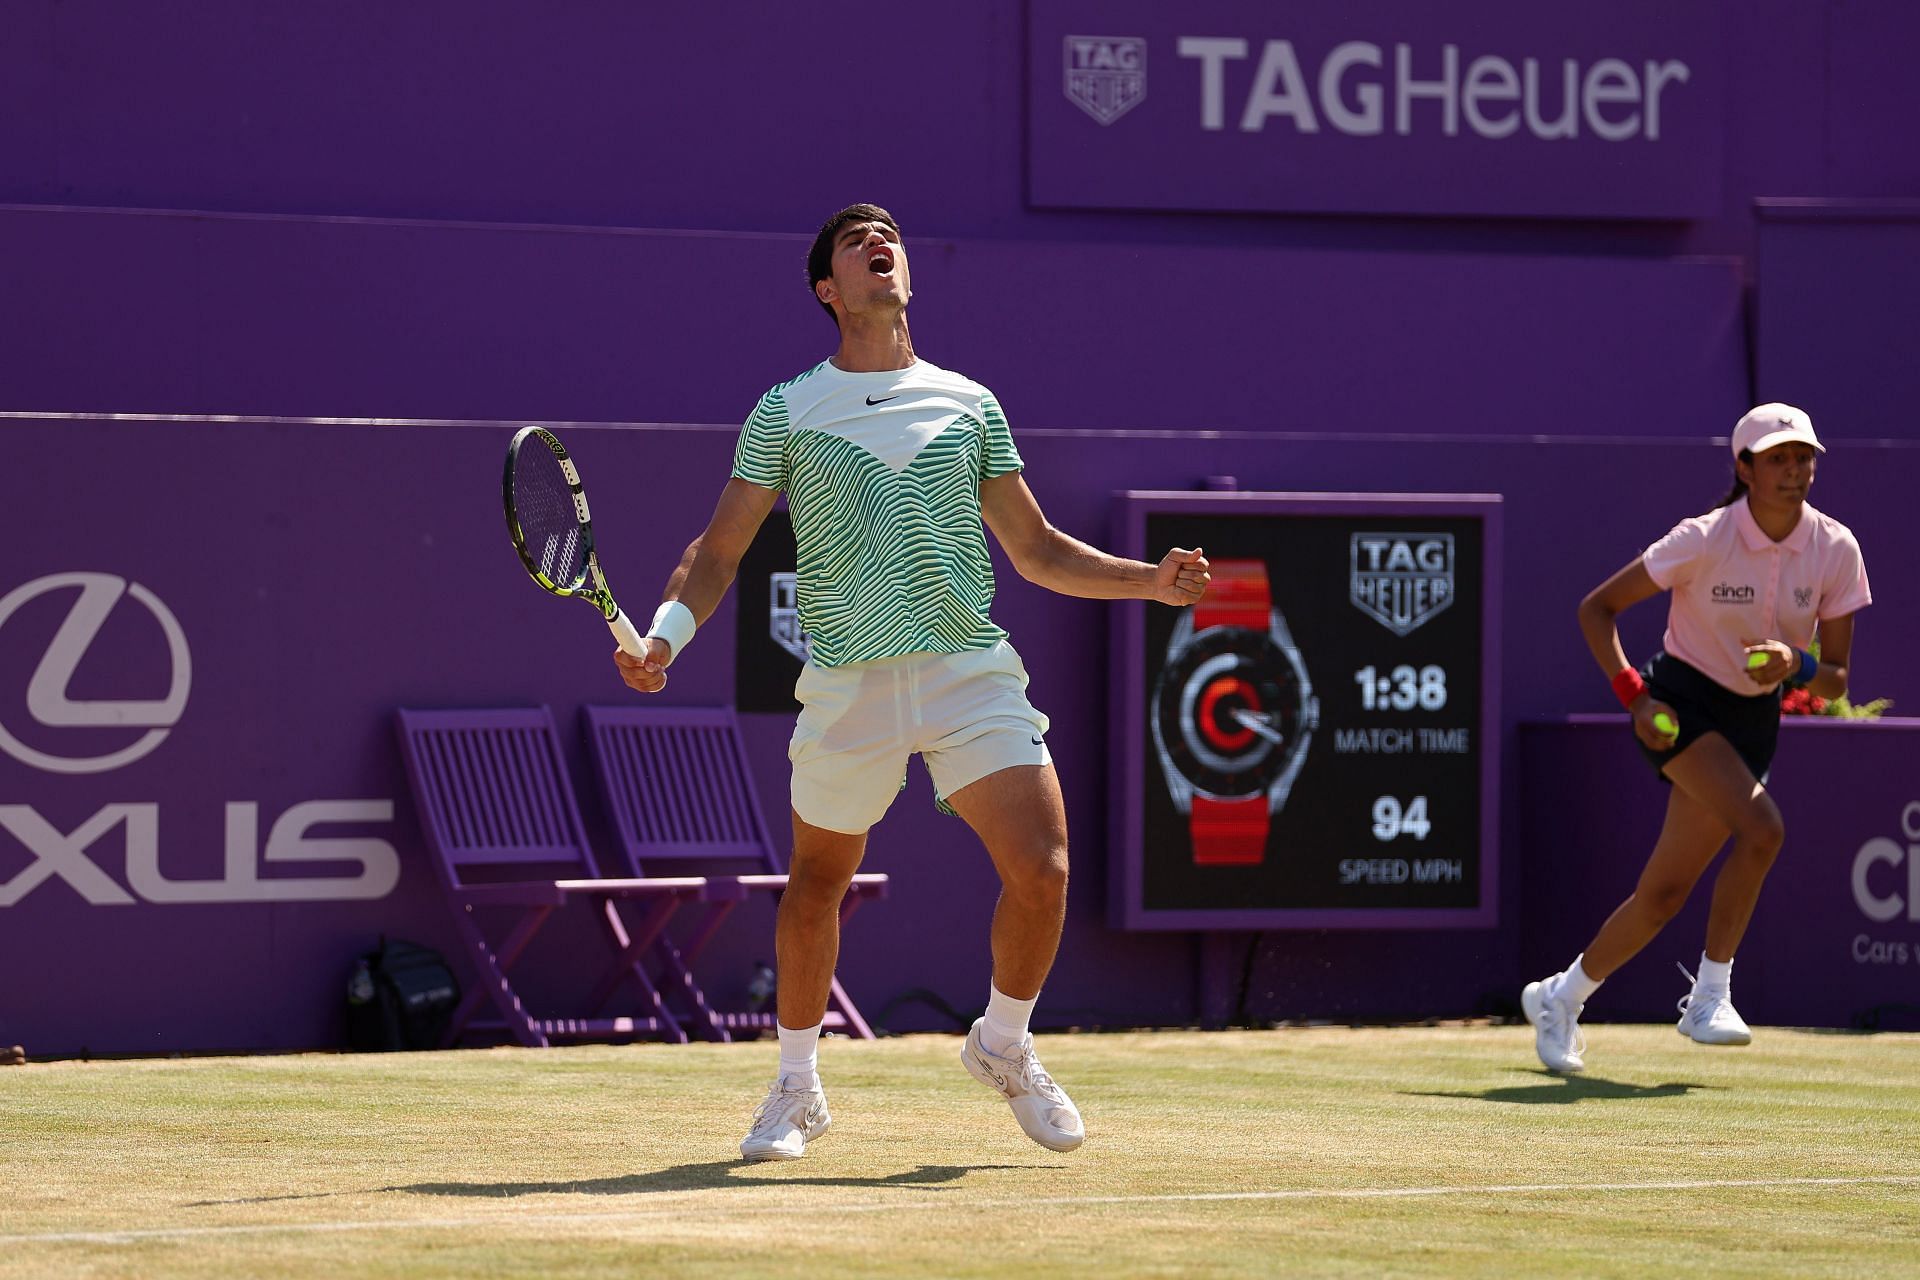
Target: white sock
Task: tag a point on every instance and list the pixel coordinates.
(1006, 1024)
(800, 1053)
(1715, 976)
(1575, 986)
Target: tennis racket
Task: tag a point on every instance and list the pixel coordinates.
(552, 530)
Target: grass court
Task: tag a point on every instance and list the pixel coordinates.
(1315, 1152)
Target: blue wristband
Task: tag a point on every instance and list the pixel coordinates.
(1809, 668)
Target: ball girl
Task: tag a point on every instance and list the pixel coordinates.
(1751, 581)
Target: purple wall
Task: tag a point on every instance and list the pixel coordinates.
(1838, 321)
(172, 313)
(344, 203)
(1836, 935)
(355, 569)
(725, 116)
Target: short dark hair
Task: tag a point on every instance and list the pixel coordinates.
(820, 257)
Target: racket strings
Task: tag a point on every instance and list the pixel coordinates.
(558, 559)
(549, 525)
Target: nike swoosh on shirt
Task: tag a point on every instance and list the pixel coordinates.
(882, 399)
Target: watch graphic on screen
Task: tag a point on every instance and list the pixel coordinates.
(1232, 713)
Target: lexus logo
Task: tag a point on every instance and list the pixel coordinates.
(47, 700)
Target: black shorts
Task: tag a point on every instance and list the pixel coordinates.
(1750, 723)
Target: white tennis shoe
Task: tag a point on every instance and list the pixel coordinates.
(1557, 1037)
(1042, 1107)
(793, 1114)
(1708, 1017)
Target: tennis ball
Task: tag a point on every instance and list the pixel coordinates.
(1664, 723)
(1755, 661)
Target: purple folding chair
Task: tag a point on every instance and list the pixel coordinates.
(677, 783)
(499, 814)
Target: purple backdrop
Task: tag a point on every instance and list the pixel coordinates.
(323, 575)
(170, 313)
(1836, 936)
(1837, 324)
(345, 200)
(723, 116)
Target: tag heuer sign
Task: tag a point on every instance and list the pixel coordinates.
(1402, 579)
(783, 615)
(1106, 76)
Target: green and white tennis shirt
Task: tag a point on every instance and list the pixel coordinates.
(882, 473)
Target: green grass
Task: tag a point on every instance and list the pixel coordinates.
(1331, 1151)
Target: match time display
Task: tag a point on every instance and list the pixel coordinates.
(1312, 744)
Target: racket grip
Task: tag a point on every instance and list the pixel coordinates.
(627, 634)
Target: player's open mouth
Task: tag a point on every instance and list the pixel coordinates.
(880, 263)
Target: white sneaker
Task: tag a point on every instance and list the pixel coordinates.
(1556, 1028)
(793, 1114)
(1042, 1107)
(1709, 1017)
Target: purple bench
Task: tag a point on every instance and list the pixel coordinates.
(499, 814)
(677, 784)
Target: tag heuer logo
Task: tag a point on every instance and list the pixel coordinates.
(1106, 76)
(1402, 580)
(783, 615)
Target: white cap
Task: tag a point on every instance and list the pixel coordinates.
(1767, 425)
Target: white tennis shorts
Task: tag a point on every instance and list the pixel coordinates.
(967, 715)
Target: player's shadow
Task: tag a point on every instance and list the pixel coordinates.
(682, 1177)
(1564, 1090)
(711, 1175)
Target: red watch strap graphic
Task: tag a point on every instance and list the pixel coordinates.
(1237, 597)
(1232, 832)
(1229, 832)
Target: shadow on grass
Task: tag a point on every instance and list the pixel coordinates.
(712, 1175)
(1561, 1090)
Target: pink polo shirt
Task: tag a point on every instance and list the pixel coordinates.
(1730, 581)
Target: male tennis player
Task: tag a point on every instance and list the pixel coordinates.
(889, 464)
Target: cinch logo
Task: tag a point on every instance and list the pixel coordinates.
(47, 700)
(1401, 580)
(1106, 76)
(1883, 905)
(1727, 593)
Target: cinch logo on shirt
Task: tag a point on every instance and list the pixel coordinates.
(1724, 593)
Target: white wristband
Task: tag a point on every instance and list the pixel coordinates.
(673, 622)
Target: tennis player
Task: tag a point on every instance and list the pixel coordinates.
(1751, 582)
(889, 465)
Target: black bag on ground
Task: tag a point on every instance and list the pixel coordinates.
(400, 997)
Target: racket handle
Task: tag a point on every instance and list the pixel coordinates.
(627, 635)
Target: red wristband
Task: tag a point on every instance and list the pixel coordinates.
(1627, 686)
